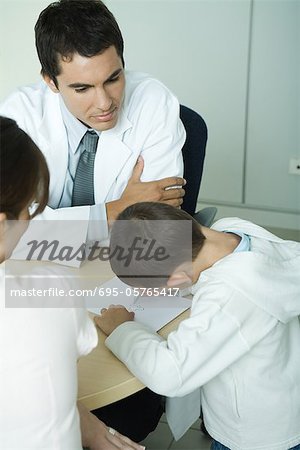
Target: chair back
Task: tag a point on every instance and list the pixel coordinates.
(193, 153)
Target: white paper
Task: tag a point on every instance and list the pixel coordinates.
(153, 311)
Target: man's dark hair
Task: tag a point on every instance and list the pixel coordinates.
(24, 175)
(66, 27)
(167, 227)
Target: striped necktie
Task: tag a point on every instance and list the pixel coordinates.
(83, 188)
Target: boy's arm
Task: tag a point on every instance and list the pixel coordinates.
(202, 347)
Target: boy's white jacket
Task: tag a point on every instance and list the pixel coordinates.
(271, 281)
(241, 344)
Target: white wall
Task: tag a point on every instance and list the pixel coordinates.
(228, 60)
(19, 63)
(273, 116)
(199, 49)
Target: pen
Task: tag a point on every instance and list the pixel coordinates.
(136, 298)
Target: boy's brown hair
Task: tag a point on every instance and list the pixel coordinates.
(174, 236)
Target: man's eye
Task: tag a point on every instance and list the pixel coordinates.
(113, 80)
(79, 90)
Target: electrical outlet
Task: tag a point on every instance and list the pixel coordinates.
(294, 168)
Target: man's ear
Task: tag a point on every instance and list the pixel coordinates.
(50, 83)
(179, 279)
(3, 217)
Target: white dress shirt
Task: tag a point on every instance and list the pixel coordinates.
(75, 132)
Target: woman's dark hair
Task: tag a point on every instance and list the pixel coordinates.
(24, 175)
(159, 226)
(66, 27)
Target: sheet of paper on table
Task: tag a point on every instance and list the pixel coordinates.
(154, 311)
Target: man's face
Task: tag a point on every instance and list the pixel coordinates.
(92, 88)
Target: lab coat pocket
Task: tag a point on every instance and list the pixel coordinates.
(236, 396)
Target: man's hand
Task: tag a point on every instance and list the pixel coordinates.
(112, 317)
(167, 190)
(97, 436)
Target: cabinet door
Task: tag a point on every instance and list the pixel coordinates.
(199, 49)
(274, 100)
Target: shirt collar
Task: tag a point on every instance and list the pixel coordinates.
(75, 129)
(245, 242)
(243, 246)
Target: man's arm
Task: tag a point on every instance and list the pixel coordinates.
(167, 190)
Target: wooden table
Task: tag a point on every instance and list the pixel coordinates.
(103, 379)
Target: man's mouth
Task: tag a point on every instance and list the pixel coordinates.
(106, 117)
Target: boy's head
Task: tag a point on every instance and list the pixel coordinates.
(151, 243)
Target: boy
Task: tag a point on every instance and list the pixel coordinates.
(241, 341)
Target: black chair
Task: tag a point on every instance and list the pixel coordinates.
(193, 153)
(206, 215)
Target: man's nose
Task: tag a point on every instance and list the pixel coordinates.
(103, 100)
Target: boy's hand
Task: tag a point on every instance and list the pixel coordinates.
(112, 317)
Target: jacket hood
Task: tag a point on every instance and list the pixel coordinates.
(271, 282)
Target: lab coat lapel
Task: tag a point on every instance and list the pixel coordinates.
(111, 157)
(55, 146)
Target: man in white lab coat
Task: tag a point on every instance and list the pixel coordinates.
(136, 118)
(86, 87)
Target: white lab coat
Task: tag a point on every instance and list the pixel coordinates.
(39, 348)
(148, 125)
(240, 345)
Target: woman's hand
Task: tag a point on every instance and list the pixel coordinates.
(97, 436)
